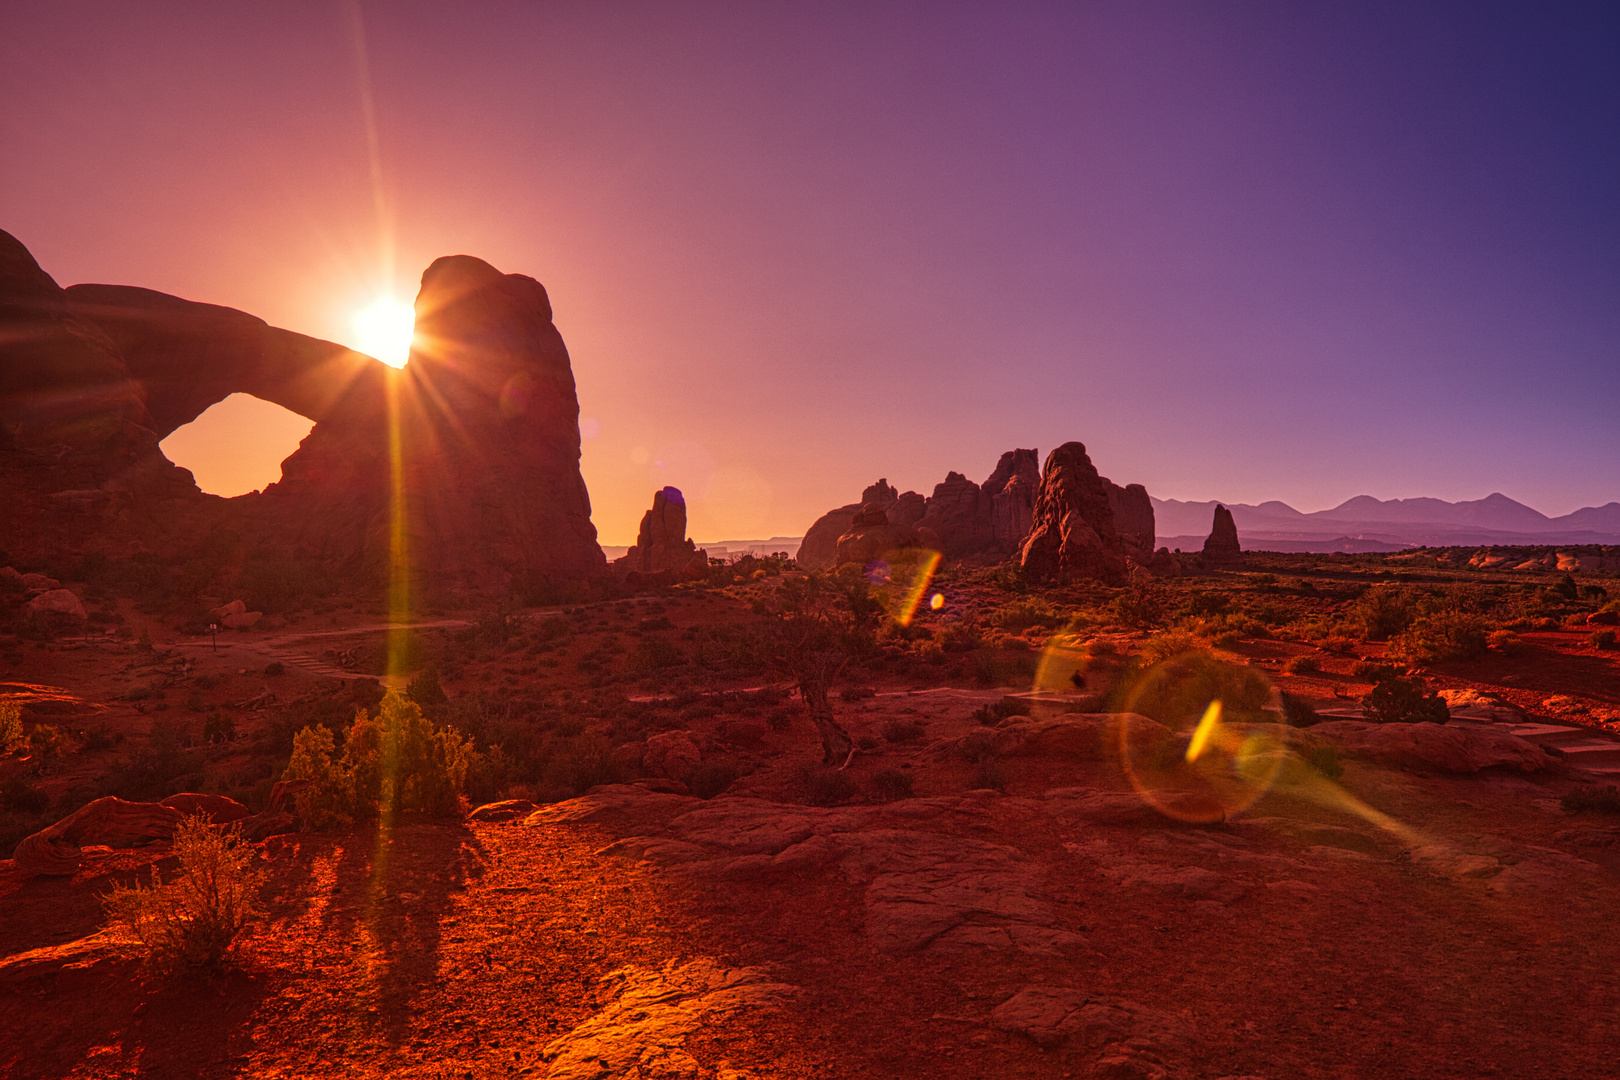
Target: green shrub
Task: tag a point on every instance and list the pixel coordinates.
(1603, 639)
(1297, 711)
(889, 785)
(1381, 612)
(394, 762)
(1592, 800)
(11, 727)
(1505, 642)
(1325, 760)
(425, 688)
(1022, 614)
(989, 773)
(1303, 665)
(195, 919)
(827, 787)
(274, 668)
(1398, 700)
(218, 728)
(1441, 636)
(18, 795)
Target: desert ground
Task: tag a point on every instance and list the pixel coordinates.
(654, 874)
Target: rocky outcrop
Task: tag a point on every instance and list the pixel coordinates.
(819, 548)
(1011, 489)
(484, 422)
(958, 516)
(1133, 519)
(873, 536)
(1073, 535)
(661, 544)
(1222, 547)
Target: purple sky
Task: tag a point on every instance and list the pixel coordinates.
(1242, 251)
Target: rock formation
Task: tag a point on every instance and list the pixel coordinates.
(1222, 548)
(1073, 535)
(873, 536)
(1133, 518)
(484, 419)
(1011, 490)
(819, 548)
(958, 515)
(661, 544)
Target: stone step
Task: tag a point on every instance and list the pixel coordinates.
(1586, 754)
(1550, 735)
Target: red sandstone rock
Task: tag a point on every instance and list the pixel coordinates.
(485, 414)
(661, 543)
(959, 514)
(1011, 489)
(819, 548)
(108, 821)
(1133, 519)
(873, 536)
(1222, 547)
(1073, 535)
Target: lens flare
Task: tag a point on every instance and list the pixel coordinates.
(936, 602)
(1206, 728)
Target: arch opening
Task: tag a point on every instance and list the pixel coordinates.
(237, 445)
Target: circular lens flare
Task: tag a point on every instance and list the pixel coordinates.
(384, 330)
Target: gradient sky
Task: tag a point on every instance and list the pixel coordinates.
(1241, 250)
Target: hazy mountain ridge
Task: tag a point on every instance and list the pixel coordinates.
(1495, 519)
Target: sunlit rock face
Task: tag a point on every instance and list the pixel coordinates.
(482, 427)
(1073, 535)
(1133, 517)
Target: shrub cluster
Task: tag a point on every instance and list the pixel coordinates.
(396, 761)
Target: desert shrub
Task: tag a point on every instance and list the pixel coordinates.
(425, 688)
(903, 731)
(856, 693)
(395, 761)
(989, 773)
(1381, 612)
(1161, 647)
(1226, 639)
(18, 795)
(46, 743)
(1400, 700)
(1565, 588)
(1374, 671)
(99, 738)
(1207, 603)
(1177, 692)
(1325, 760)
(957, 637)
(828, 787)
(992, 668)
(993, 714)
(582, 763)
(655, 651)
(195, 918)
(11, 727)
(218, 728)
(889, 785)
(1023, 613)
(781, 717)
(274, 668)
(1505, 642)
(710, 778)
(1592, 800)
(977, 746)
(1440, 636)
(1603, 639)
(1141, 604)
(1297, 711)
(1303, 665)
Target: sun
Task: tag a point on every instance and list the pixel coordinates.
(384, 330)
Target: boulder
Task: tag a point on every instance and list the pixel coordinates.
(40, 583)
(1222, 547)
(225, 611)
(506, 810)
(1481, 708)
(242, 620)
(1073, 533)
(57, 604)
(109, 822)
(672, 754)
(484, 420)
(216, 808)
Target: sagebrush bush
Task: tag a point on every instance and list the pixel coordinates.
(394, 762)
(1303, 665)
(1603, 639)
(1398, 700)
(1381, 612)
(11, 727)
(196, 918)
(1592, 800)
(889, 785)
(903, 731)
(1441, 636)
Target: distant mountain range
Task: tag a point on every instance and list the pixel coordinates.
(1368, 524)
